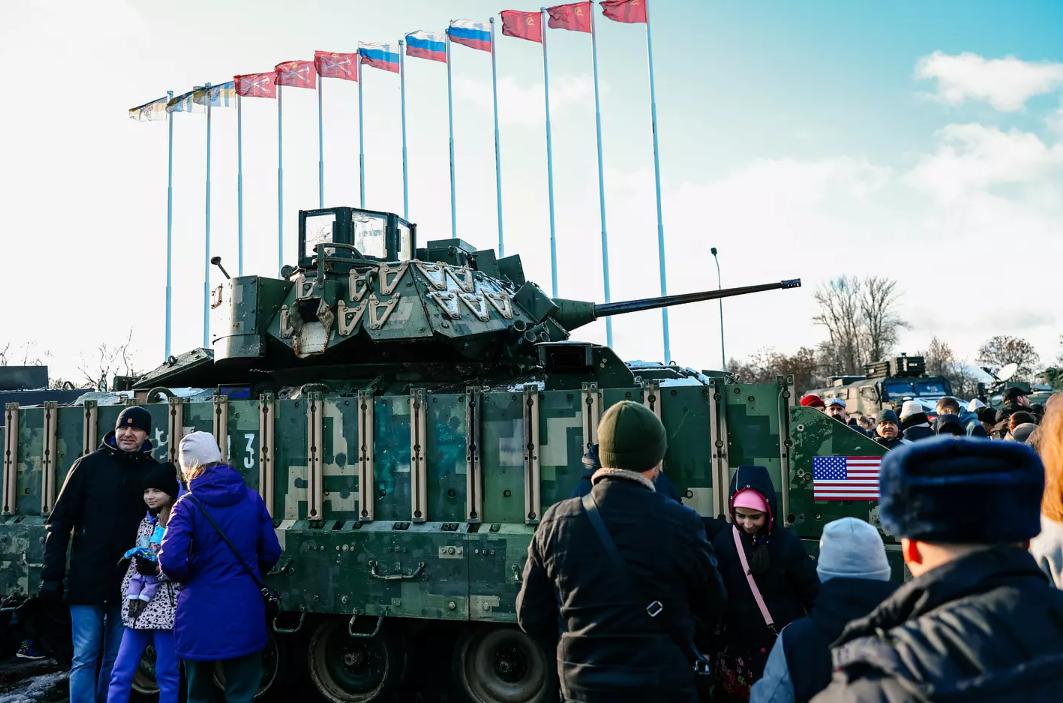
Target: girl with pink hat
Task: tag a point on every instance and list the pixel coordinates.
(770, 582)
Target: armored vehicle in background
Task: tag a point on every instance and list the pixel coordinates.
(887, 384)
(407, 413)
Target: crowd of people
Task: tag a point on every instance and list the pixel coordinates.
(174, 564)
(646, 601)
(1017, 420)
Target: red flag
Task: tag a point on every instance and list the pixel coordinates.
(629, 11)
(332, 65)
(523, 25)
(297, 74)
(256, 85)
(575, 17)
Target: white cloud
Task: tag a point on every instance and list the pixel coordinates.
(974, 157)
(518, 105)
(1005, 83)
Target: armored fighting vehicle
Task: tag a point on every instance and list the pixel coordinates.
(887, 384)
(407, 413)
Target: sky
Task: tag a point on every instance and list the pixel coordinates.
(921, 141)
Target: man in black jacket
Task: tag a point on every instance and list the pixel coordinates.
(102, 502)
(887, 429)
(610, 647)
(980, 622)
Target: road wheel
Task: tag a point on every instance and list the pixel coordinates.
(348, 669)
(273, 670)
(501, 664)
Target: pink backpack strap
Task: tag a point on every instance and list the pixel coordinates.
(749, 578)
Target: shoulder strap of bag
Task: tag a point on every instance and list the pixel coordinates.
(655, 608)
(225, 538)
(749, 578)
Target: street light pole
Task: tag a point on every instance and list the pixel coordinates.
(719, 285)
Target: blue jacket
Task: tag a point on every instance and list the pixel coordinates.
(220, 613)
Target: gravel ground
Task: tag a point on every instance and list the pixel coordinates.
(26, 681)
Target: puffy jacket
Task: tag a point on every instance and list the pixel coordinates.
(986, 628)
(889, 443)
(788, 588)
(220, 613)
(799, 665)
(609, 648)
(158, 614)
(102, 501)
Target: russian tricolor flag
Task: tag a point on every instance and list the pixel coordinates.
(427, 45)
(475, 35)
(383, 56)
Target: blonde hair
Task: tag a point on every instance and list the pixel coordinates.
(196, 470)
(1050, 446)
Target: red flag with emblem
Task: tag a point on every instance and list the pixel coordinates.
(297, 74)
(522, 25)
(575, 17)
(256, 85)
(630, 11)
(329, 64)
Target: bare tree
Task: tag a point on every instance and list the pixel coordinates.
(881, 323)
(112, 359)
(3, 354)
(839, 303)
(941, 361)
(26, 350)
(1002, 349)
(766, 364)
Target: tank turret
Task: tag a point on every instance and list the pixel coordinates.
(365, 299)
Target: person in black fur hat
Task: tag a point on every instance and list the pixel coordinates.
(979, 621)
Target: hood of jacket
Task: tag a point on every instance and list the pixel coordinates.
(949, 424)
(757, 479)
(110, 446)
(219, 485)
(842, 600)
(916, 420)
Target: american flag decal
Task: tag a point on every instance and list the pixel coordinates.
(845, 477)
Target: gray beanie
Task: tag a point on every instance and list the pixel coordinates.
(198, 449)
(851, 548)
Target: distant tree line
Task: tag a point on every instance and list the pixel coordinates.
(863, 325)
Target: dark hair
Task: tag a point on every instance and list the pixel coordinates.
(1021, 418)
(948, 403)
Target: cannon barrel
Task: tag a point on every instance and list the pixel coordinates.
(572, 314)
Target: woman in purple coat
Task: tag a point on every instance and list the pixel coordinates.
(221, 616)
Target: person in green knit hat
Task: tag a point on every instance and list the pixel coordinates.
(600, 614)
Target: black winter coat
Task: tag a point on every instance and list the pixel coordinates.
(788, 588)
(609, 649)
(806, 642)
(912, 427)
(891, 443)
(102, 501)
(987, 628)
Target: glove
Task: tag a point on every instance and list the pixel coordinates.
(50, 591)
(145, 566)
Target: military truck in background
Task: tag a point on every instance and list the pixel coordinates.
(407, 413)
(887, 384)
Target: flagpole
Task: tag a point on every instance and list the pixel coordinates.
(280, 185)
(320, 147)
(361, 134)
(402, 100)
(498, 152)
(657, 183)
(239, 185)
(206, 254)
(549, 157)
(450, 113)
(601, 181)
(169, 223)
